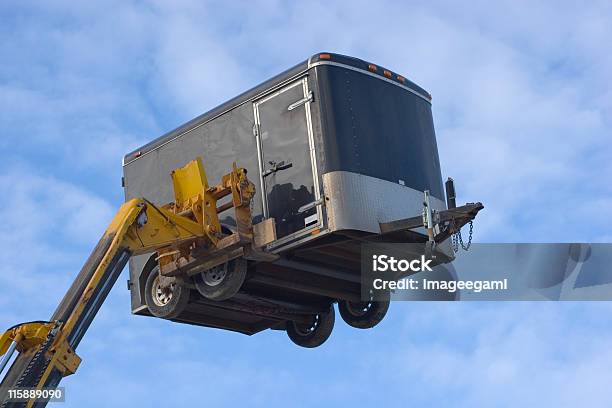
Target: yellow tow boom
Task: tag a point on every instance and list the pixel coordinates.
(46, 349)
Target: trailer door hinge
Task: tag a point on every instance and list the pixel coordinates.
(301, 102)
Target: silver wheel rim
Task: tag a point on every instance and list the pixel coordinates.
(214, 276)
(358, 309)
(303, 330)
(161, 296)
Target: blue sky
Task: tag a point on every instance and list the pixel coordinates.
(523, 111)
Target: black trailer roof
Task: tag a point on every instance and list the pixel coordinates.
(295, 71)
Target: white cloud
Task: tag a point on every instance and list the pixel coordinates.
(48, 228)
(538, 354)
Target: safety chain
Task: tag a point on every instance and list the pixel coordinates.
(458, 239)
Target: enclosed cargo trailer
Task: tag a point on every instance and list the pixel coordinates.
(335, 146)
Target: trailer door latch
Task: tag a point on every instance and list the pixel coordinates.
(274, 167)
(310, 205)
(301, 102)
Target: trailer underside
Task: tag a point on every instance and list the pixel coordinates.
(307, 279)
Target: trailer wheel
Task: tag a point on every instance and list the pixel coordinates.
(363, 315)
(223, 281)
(313, 334)
(168, 302)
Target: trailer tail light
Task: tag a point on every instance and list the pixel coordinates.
(138, 153)
(324, 56)
(387, 73)
(372, 67)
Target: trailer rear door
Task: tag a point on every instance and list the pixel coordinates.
(287, 160)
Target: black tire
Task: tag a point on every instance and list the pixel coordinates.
(315, 334)
(165, 303)
(223, 281)
(363, 315)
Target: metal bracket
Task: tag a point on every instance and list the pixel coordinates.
(255, 130)
(66, 360)
(428, 218)
(429, 224)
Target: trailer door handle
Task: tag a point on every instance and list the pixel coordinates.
(309, 206)
(301, 102)
(277, 167)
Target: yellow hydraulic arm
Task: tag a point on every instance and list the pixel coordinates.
(47, 349)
